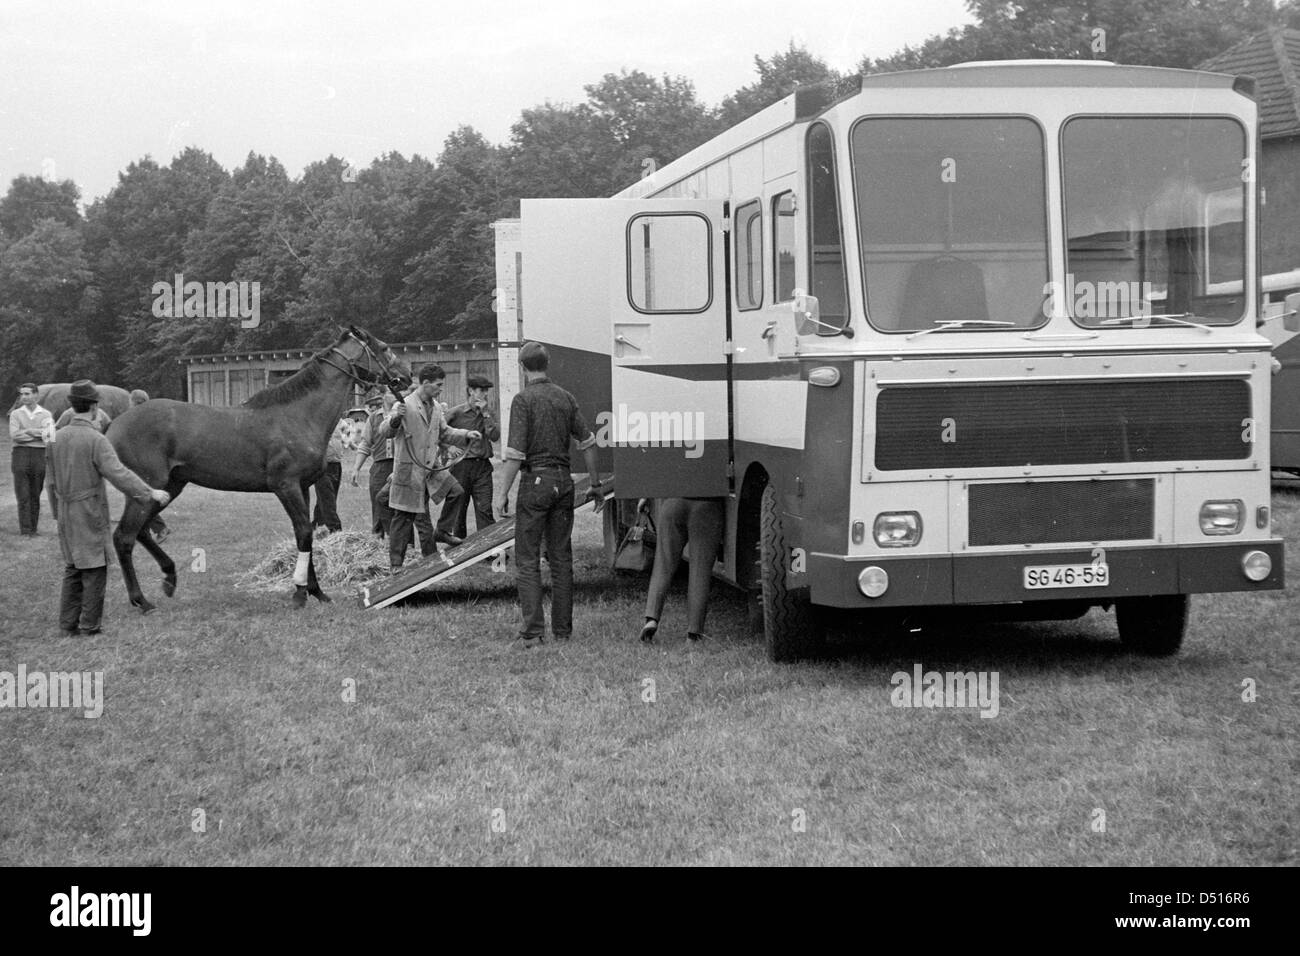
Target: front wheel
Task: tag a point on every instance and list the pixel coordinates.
(791, 626)
(1153, 626)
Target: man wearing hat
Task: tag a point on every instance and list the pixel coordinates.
(473, 472)
(79, 461)
(29, 426)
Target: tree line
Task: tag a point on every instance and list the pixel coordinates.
(404, 246)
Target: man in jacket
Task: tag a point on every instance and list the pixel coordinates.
(79, 461)
(420, 477)
(29, 426)
(473, 472)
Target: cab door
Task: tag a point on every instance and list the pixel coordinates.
(657, 305)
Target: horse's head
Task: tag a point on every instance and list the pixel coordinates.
(372, 360)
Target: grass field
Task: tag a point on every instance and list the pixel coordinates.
(459, 749)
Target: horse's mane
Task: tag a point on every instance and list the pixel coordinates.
(302, 382)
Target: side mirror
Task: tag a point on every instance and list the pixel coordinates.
(807, 313)
(1291, 313)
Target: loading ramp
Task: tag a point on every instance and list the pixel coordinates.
(479, 546)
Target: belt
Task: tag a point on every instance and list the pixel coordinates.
(561, 469)
(80, 495)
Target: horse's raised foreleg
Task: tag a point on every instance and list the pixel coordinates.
(134, 518)
(165, 563)
(295, 503)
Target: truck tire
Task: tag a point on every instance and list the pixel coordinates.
(1153, 626)
(791, 626)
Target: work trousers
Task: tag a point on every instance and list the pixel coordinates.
(28, 467)
(381, 516)
(679, 520)
(327, 491)
(402, 528)
(81, 602)
(475, 478)
(544, 512)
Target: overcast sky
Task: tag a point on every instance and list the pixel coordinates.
(89, 87)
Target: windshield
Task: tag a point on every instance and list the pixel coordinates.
(952, 222)
(1154, 219)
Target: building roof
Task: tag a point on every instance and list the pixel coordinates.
(400, 348)
(1273, 60)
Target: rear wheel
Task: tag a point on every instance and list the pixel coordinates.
(791, 627)
(1153, 626)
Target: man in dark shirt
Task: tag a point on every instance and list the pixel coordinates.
(543, 417)
(474, 471)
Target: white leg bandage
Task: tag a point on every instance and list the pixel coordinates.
(300, 572)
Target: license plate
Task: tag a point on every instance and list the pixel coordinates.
(1042, 577)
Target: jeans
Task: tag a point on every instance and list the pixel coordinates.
(327, 491)
(475, 478)
(544, 512)
(28, 466)
(81, 603)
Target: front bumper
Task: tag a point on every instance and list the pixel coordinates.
(999, 578)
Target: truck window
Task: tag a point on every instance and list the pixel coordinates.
(1155, 211)
(783, 246)
(952, 221)
(749, 256)
(826, 243)
(669, 262)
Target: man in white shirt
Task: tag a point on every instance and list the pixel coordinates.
(29, 426)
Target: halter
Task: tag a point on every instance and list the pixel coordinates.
(350, 370)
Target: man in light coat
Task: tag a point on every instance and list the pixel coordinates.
(80, 459)
(420, 436)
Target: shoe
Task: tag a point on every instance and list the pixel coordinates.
(90, 631)
(648, 630)
(449, 539)
(69, 631)
(693, 637)
(562, 637)
(395, 569)
(522, 643)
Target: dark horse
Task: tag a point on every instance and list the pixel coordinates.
(274, 442)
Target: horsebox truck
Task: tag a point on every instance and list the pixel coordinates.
(979, 339)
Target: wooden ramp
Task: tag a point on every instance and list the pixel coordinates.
(480, 546)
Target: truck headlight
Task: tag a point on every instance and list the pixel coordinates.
(897, 529)
(1222, 517)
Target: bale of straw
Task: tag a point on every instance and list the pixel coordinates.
(342, 559)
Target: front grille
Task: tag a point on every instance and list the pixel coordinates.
(1061, 423)
(1053, 512)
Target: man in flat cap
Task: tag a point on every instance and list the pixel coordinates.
(474, 471)
(79, 461)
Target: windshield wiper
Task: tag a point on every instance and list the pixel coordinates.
(1179, 319)
(951, 324)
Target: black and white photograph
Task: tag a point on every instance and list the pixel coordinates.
(651, 434)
